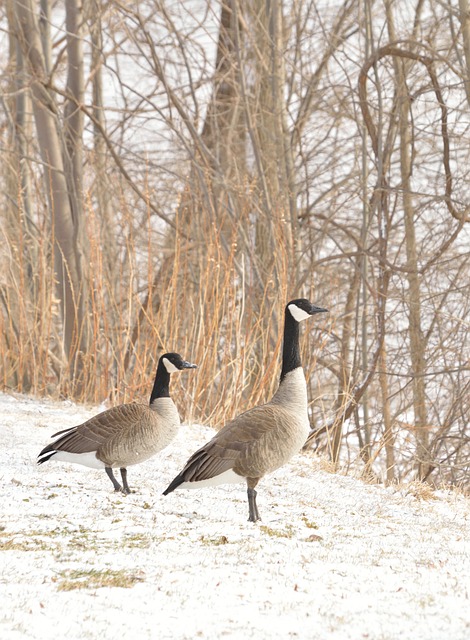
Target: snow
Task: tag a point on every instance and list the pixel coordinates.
(333, 558)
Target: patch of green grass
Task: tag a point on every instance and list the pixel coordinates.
(95, 579)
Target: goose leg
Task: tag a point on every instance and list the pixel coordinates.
(126, 488)
(254, 514)
(116, 485)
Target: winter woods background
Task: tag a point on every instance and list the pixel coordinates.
(173, 172)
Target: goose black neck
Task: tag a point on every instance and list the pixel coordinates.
(161, 386)
(290, 350)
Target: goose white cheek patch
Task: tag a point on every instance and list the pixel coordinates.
(169, 366)
(297, 313)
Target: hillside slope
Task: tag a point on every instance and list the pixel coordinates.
(333, 558)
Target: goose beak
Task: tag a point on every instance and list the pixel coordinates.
(315, 309)
(188, 365)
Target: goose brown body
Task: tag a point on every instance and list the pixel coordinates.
(256, 442)
(263, 438)
(124, 435)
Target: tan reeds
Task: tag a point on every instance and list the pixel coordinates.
(197, 300)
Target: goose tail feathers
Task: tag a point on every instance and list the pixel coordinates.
(46, 454)
(174, 484)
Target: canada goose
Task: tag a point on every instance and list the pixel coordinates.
(264, 438)
(126, 434)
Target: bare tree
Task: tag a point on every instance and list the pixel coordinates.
(224, 158)
(63, 189)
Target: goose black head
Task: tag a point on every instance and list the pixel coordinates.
(301, 308)
(174, 362)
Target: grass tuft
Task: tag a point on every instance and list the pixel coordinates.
(96, 579)
(309, 523)
(214, 542)
(420, 490)
(288, 532)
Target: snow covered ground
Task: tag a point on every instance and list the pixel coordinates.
(333, 558)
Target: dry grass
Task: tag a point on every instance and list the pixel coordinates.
(417, 489)
(95, 579)
(145, 299)
(152, 292)
(287, 532)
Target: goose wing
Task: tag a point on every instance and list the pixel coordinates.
(96, 431)
(233, 447)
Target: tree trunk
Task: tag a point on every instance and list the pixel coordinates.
(18, 172)
(346, 381)
(388, 437)
(73, 162)
(45, 31)
(464, 17)
(277, 205)
(224, 126)
(65, 231)
(101, 192)
(417, 344)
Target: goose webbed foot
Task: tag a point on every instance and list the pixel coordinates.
(254, 514)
